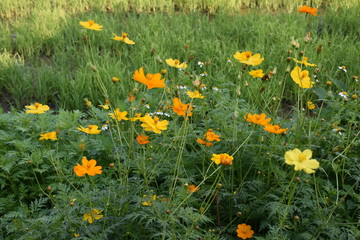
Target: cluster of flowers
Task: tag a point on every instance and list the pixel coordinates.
(261, 119)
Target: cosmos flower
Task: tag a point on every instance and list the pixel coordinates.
(154, 125)
(91, 129)
(257, 73)
(48, 136)
(275, 129)
(192, 188)
(87, 167)
(37, 108)
(223, 158)
(195, 94)
(123, 38)
(248, 58)
(181, 108)
(142, 139)
(175, 63)
(92, 215)
(301, 160)
(257, 119)
(244, 231)
(91, 25)
(306, 9)
(150, 80)
(118, 116)
(310, 105)
(304, 62)
(301, 78)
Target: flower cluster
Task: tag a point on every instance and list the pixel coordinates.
(209, 137)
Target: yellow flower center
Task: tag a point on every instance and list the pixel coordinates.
(248, 55)
(124, 35)
(302, 157)
(303, 75)
(176, 62)
(37, 105)
(156, 120)
(91, 22)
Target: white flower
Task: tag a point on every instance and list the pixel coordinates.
(215, 88)
(181, 87)
(343, 95)
(104, 127)
(343, 68)
(204, 74)
(201, 64)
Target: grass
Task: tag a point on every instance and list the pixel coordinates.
(142, 193)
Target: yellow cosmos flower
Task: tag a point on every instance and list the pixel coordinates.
(275, 129)
(87, 167)
(301, 160)
(310, 105)
(301, 78)
(181, 108)
(154, 125)
(248, 58)
(118, 116)
(150, 200)
(195, 94)
(257, 73)
(176, 63)
(92, 215)
(304, 62)
(91, 25)
(91, 129)
(244, 231)
(137, 117)
(223, 158)
(106, 106)
(150, 80)
(48, 136)
(115, 79)
(37, 108)
(257, 119)
(123, 38)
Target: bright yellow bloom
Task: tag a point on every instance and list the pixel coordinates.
(211, 136)
(37, 108)
(301, 160)
(48, 136)
(118, 116)
(223, 158)
(192, 188)
(91, 25)
(91, 129)
(181, 108)
(142, 139)
(195, 94)
(115, 79)
(306, 9)
(92, 215)
(150, 80)
(106, 106)
(257, 119)
(87, 167)
(304, 62)
(151, 198)
(244, 231)
(137, 117)
(76, 235)
(275, 129)
(301, 78)
(123, 38)
(175, 63)
(248, 58)
(310, 105)
(154, 125)
(257, 73)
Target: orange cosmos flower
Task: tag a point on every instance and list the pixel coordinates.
(301, 78)
(91, 129)
(118, 116)
(154, 125)
(211, 136)
(192, 188)
(182, 109)
(142, 139)
(48, 136)
(257, 73)
(306, 9)
(175, 63)
(275, 129)
(91, 25)
(123, 38)
(37, 108)
(87, 167)
(208, 144)
(244, 231)
(150, 80)
(223, 158)
(257, 119)
(248, 58)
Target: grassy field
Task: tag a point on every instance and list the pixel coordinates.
(180, 184)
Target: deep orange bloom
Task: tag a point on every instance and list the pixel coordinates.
(211, 136)
(208, 144)
(150, 80)
(306, 9)
(88, 167)
(142, 139)
(192, 188)
(223, 158)
(182, 109)
(244, 231)
(257, 119)
(275, 129)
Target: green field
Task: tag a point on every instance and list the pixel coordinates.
(174, 187)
